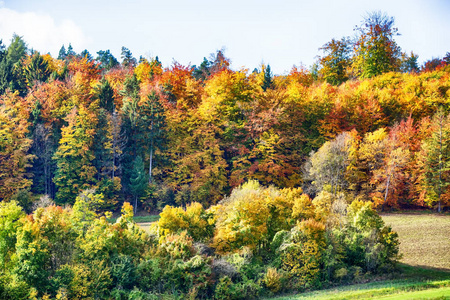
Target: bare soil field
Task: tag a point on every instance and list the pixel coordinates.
(424, 238)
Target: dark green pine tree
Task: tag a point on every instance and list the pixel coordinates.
(446, 58)
(268, 81)
(101, 148)
(70, 52)
(11, 67)
(104, 155)
(62, 53)
(17, 49)
(154, 118)
(44, 167)
(3, 68)
(437, 159)
(2, 50)
(106, 59)
(128, 61)
(86, 54)
(106, 96)
(131, 116)
(133, 127)
(138, 180)
(37, 70)
(203, 71)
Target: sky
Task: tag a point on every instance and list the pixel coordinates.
(281, 33)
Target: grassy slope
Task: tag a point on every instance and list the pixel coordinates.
(141, 220)
(424, 238)
(415, 283)
(425, 244)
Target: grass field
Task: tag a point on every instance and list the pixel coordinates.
(142, 220)
(146, 226)
(424, 238)
(425, 244)
(400, 289)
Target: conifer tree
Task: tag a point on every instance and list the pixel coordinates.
(138, 180)
(436, 154)
(10, 67)
(62, 53)
(128, 61)
(268, 82)
(75, 171)
(153, 116)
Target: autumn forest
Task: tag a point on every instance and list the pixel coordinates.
(264, 183)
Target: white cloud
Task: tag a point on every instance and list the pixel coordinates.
(40, 31)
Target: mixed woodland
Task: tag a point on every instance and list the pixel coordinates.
(264, 183)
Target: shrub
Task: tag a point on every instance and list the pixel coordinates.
(367, 242)
(123, 272)
(178, 246)
(302, 251)
(13, 288)
(184, 276)
(341, 274)
(272, 280)
(89, 281)
(195, 220)
(150, 274)
(223, 268)
(44, 201)
(228, 290)
(251, 216)
(25, 199)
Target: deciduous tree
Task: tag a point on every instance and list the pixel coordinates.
(376, 51)
(336, 61)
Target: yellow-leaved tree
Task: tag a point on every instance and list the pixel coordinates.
(252, 215)
(14, 145)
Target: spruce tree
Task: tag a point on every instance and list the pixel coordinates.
(268, 82)
(138, 180)
(62, 53)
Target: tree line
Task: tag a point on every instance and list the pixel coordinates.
(365, 121)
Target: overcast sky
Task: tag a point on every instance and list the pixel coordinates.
(280, 33)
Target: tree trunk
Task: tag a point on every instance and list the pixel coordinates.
(440, 164)
(150, 164)
(46, 187)
(114, 150)
(387, 191)
(151, 150)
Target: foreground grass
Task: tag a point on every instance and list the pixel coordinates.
(413, 283)
(383, 291)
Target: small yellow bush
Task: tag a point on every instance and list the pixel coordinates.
(272, 280)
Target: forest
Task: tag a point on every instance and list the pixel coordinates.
(265, 183)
